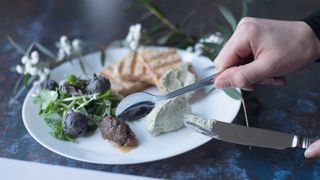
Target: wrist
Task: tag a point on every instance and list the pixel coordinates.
(312, 38)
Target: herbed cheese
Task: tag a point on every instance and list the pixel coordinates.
(167, 115)
(177, 78)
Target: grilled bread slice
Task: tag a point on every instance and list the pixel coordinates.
(159, 62)
(133, 69)
(119, 85)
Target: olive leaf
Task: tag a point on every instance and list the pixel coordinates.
(187, 19)
(244, 8)
(17, 85)
(224, 28)
(102, 57)
(45, 51)
(233, 93)
(16, 45)
(228, 16)
(26, 79)
(83, 68)
(29, 49)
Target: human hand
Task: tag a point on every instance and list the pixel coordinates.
(278, 48)
(313, 150)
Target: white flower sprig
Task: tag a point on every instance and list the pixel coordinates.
(134, 36)
(30, 67)
(29, 64)
(67, 48)
(215, 38)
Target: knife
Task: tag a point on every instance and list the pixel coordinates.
(243, 135)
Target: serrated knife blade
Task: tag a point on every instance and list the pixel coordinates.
(243, 135)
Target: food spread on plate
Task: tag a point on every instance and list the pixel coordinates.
(167, 72)
(118, 132)
(167, 116)
(77, 107)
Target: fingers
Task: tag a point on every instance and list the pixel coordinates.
(236, 49)
(313, 151)
(242, 76)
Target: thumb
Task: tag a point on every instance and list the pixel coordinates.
(242, 76)
(313, 150)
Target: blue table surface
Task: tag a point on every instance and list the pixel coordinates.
(294, 108)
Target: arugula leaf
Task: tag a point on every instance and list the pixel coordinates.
(57, 131)
(45, 97)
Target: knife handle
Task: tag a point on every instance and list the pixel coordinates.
(304, 142)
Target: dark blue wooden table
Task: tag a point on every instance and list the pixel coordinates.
(294, 108)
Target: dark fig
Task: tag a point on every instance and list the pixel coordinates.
(74, 123)
(98, 84)
(70, 89)
(49, 85)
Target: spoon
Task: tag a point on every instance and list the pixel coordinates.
(140, 104)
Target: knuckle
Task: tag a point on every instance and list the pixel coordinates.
(248, 25)
(241, 80)
(247, 20)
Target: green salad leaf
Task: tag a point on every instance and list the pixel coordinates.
(44, 98)
(53, 106)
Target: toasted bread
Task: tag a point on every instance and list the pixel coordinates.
(159, 62)
(133, 69)
(119, 85)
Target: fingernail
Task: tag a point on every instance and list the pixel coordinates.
(222, 83)
(308, 153)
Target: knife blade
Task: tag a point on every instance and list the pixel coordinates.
(243, 135)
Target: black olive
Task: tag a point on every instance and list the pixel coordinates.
(98, 84)
(49, 85)
(74, 123)
(70, 89)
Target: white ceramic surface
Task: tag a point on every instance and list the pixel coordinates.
(96, 150)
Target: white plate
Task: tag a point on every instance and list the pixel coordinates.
(96, 150)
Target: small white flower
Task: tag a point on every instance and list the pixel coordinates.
(77, 45)
(67, 48)
(43, 77)
(34, 57)
(189, 49)
(28, 66)
(134, 35)
(63, 39)
(36, 83)
(32, 71)
(137, 32)
(43, 74)
(19, 69)
(46, 71)
(215, 38)
(61, 54)
(198, 49)
(25, 59)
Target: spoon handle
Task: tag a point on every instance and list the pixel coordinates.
(200, 84)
